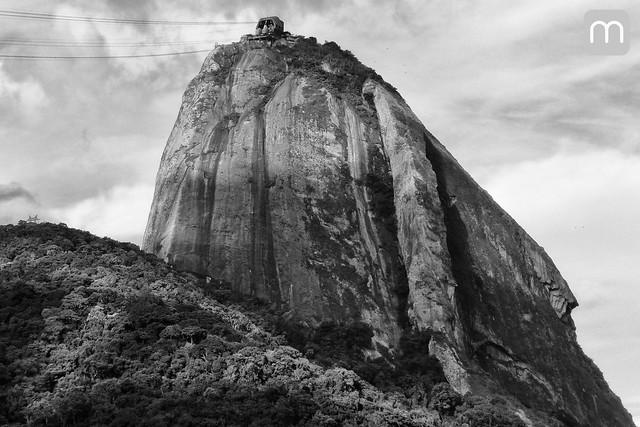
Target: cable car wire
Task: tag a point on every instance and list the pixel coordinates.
(102, 56)
(51, 16)
(95, 40)
(46, 43)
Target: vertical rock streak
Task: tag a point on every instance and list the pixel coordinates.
(457, 245)
(264, 278)
(217, 142)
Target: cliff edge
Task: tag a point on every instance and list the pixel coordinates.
(299, 177)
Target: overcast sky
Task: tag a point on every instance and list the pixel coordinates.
(550, 132)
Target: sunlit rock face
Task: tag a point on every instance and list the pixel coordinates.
(300, 177)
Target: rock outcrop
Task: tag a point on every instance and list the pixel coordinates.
(300, 177)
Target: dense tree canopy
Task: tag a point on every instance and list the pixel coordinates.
(97, 332)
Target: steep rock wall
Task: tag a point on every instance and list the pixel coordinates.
(267, 191)
(325, 195)
(511, 305)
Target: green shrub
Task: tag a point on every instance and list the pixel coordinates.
(478, 411)
(346, 76)
(444, 399)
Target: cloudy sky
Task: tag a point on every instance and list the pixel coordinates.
(548, 130)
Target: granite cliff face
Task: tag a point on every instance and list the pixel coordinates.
(300, 177)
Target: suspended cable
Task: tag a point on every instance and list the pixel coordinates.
(102, 56)
(44, 43)
(94, 40)
(50, 16)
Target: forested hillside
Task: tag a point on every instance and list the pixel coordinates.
(94, 331)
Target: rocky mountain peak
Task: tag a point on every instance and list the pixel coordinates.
(295, 174)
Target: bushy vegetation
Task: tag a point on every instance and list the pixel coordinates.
(379, 182)
(339, 70)
(96, 332)
(444, 399)
(411, 372)
(477, 411)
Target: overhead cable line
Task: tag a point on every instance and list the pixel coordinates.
(44, 43)
(94, 40)
(51, 16)
(103, 56)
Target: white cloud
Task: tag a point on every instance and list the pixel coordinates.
(571, 200)
(13, 211)
(121, 213)
(27, 95)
